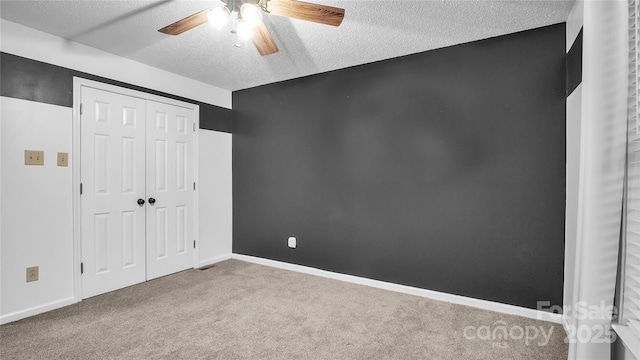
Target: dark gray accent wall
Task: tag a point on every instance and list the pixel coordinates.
(442, 170)
(33, 80)
(574, 64)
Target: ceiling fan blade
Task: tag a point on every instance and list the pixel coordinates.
(263, 41)
(301, 10)
(187, 23)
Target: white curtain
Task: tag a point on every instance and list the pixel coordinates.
(602, 164)
(630, 269)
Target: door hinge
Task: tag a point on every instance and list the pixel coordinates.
(80, 108)
(194, 126)
(194, 185)
(80, 188)
(194, 244)
(81, 268)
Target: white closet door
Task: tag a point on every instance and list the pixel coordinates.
(170, 189)
(113, 180)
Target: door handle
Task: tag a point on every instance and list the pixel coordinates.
(152, 201)
(140, 202)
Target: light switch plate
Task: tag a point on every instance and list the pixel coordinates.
(33, 157)
(63, 159)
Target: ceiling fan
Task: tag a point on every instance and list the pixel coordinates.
(248, 19)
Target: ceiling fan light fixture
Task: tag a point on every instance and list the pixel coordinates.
(219, 16)
(245, 30)
(251, 15)
(247, 19)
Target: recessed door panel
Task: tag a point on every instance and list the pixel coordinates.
(129, 238)
(181, 166)
(101, 241)
(181, 124)
(101, 164)
(161, 232)
(181, 230)
(161, 121)
(129, 117)
(160, 160)
(102, 112)
(128, 165)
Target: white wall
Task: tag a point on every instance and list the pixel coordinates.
(36, 209)
(215, 202)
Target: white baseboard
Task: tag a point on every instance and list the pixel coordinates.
(18, 315)
(435, 295)
(430, 294)
(212, 261)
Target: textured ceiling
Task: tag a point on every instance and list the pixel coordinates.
(372, 30)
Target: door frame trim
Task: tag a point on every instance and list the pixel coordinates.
(78, 84)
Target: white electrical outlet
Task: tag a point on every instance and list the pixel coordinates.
(33, 273)
(292, 242)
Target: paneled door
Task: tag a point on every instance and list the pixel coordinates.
(113, 183)
(137, 202)
(170, 219)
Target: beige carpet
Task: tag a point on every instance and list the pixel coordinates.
(238, 310)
